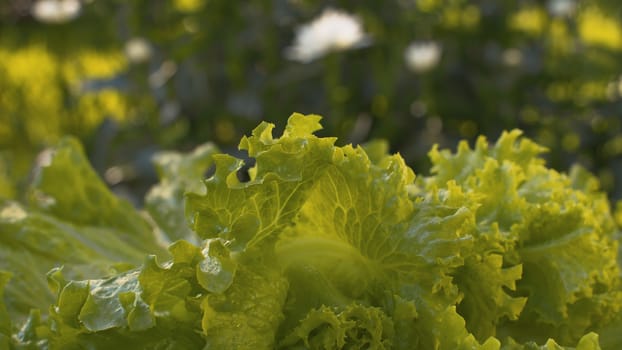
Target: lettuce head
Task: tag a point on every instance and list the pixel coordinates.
(324, 247)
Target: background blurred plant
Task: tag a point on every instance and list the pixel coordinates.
(130, 78)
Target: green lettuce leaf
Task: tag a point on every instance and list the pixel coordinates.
(587, 342)
(179, 173)
(72, 220)
(559, 228)
(66, 187)
(165, 306)
(32, 243)
(248, 314)
(357, 327)
(153, 307)
(245, 213)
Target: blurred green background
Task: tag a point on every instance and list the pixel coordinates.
(130, 78)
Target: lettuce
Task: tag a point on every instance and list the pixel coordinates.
(324, 247)
(178, 174)
(71, 219)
